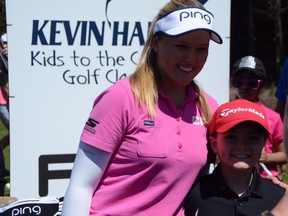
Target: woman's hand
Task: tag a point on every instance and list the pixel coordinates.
(276, 181)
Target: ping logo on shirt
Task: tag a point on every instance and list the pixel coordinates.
(149, 123)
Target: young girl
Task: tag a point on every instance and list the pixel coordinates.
(145, 140)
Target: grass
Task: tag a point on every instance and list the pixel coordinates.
(6, 152)
(285, 179)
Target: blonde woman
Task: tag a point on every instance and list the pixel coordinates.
(145, 140)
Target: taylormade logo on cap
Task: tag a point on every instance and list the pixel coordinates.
(228, 111)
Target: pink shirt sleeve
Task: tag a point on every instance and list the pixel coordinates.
(108, 118)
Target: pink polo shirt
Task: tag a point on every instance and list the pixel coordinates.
(276, 135)
(3, 96)
(156, 160)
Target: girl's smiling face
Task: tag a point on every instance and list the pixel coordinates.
(244, 91)
(181, 58)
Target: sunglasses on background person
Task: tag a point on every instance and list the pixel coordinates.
(249, 83)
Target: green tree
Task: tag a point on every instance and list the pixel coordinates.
(272, 16)
(2, 16)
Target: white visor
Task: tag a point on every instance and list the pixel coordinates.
(181, 21)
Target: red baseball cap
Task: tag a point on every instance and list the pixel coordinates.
(232, 113)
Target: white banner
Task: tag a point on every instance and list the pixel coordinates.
(62, 54)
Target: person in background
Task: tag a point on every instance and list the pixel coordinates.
(281, 90)
(4, 84)
(237, 132)
(4, 106)
(144, 142)
(248, 77)
(280, 94)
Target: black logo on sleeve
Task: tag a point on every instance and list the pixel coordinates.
(92, 122)
(90, 125)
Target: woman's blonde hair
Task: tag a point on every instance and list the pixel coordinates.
(144, 80)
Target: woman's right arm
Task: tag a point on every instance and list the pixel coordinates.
(89, 165)
(281, 208)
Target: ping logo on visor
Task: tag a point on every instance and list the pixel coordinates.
(186, 19)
